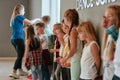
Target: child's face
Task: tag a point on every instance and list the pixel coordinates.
(57, 32)
(67, 21)
(38, 30)
(55, 27)
(65, 28)
(82, 35)
(109, 17)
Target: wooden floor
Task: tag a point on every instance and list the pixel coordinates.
(6, 68)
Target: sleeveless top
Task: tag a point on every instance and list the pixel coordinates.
(88, 68)
(77, 54)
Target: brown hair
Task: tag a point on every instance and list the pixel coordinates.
(89, 29)
(58, 25)
(30, 34)
(40, 24)
(46, 18)
(16, 11)
(72, 14)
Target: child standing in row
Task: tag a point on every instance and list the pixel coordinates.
(66, 66)
(90, 60)
(111, 23)
(59, 34)
(33, 53)
(55, 50)
(46, 20)
(71, 19)
(45, 52)
(110, 20)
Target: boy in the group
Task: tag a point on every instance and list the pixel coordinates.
(45, 52)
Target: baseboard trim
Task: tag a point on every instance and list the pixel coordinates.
(7, 58)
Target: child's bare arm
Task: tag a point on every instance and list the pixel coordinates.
(95, 53)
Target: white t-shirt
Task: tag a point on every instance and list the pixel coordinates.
(45, 43)
(88, 68)
(77, 54)
(117, 57)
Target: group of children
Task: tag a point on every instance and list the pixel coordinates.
(76, 50)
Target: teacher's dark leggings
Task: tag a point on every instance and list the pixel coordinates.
(19, 48)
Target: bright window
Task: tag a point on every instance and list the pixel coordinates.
(51, 8)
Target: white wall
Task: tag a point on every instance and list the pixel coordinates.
(35, 9)
(66, 4)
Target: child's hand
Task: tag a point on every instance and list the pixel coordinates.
(62, 61)
(58, 60)
(52, 50)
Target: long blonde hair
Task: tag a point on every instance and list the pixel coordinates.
(16, 11)
(89, 29)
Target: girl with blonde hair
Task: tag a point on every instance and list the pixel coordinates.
(17, 38)
(111, 23)
(90, 60)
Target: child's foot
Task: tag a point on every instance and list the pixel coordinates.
(14, 75)
(29, 76)
(22, 73)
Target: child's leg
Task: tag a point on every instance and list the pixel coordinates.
(33, 70)
(57, 72)
(45, 73)
(75, 70)
(39, 72)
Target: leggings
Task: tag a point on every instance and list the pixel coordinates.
(19, 46)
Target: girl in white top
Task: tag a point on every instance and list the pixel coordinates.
(117, 60)
(111, 22)
(90, 60)
(111, 18)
